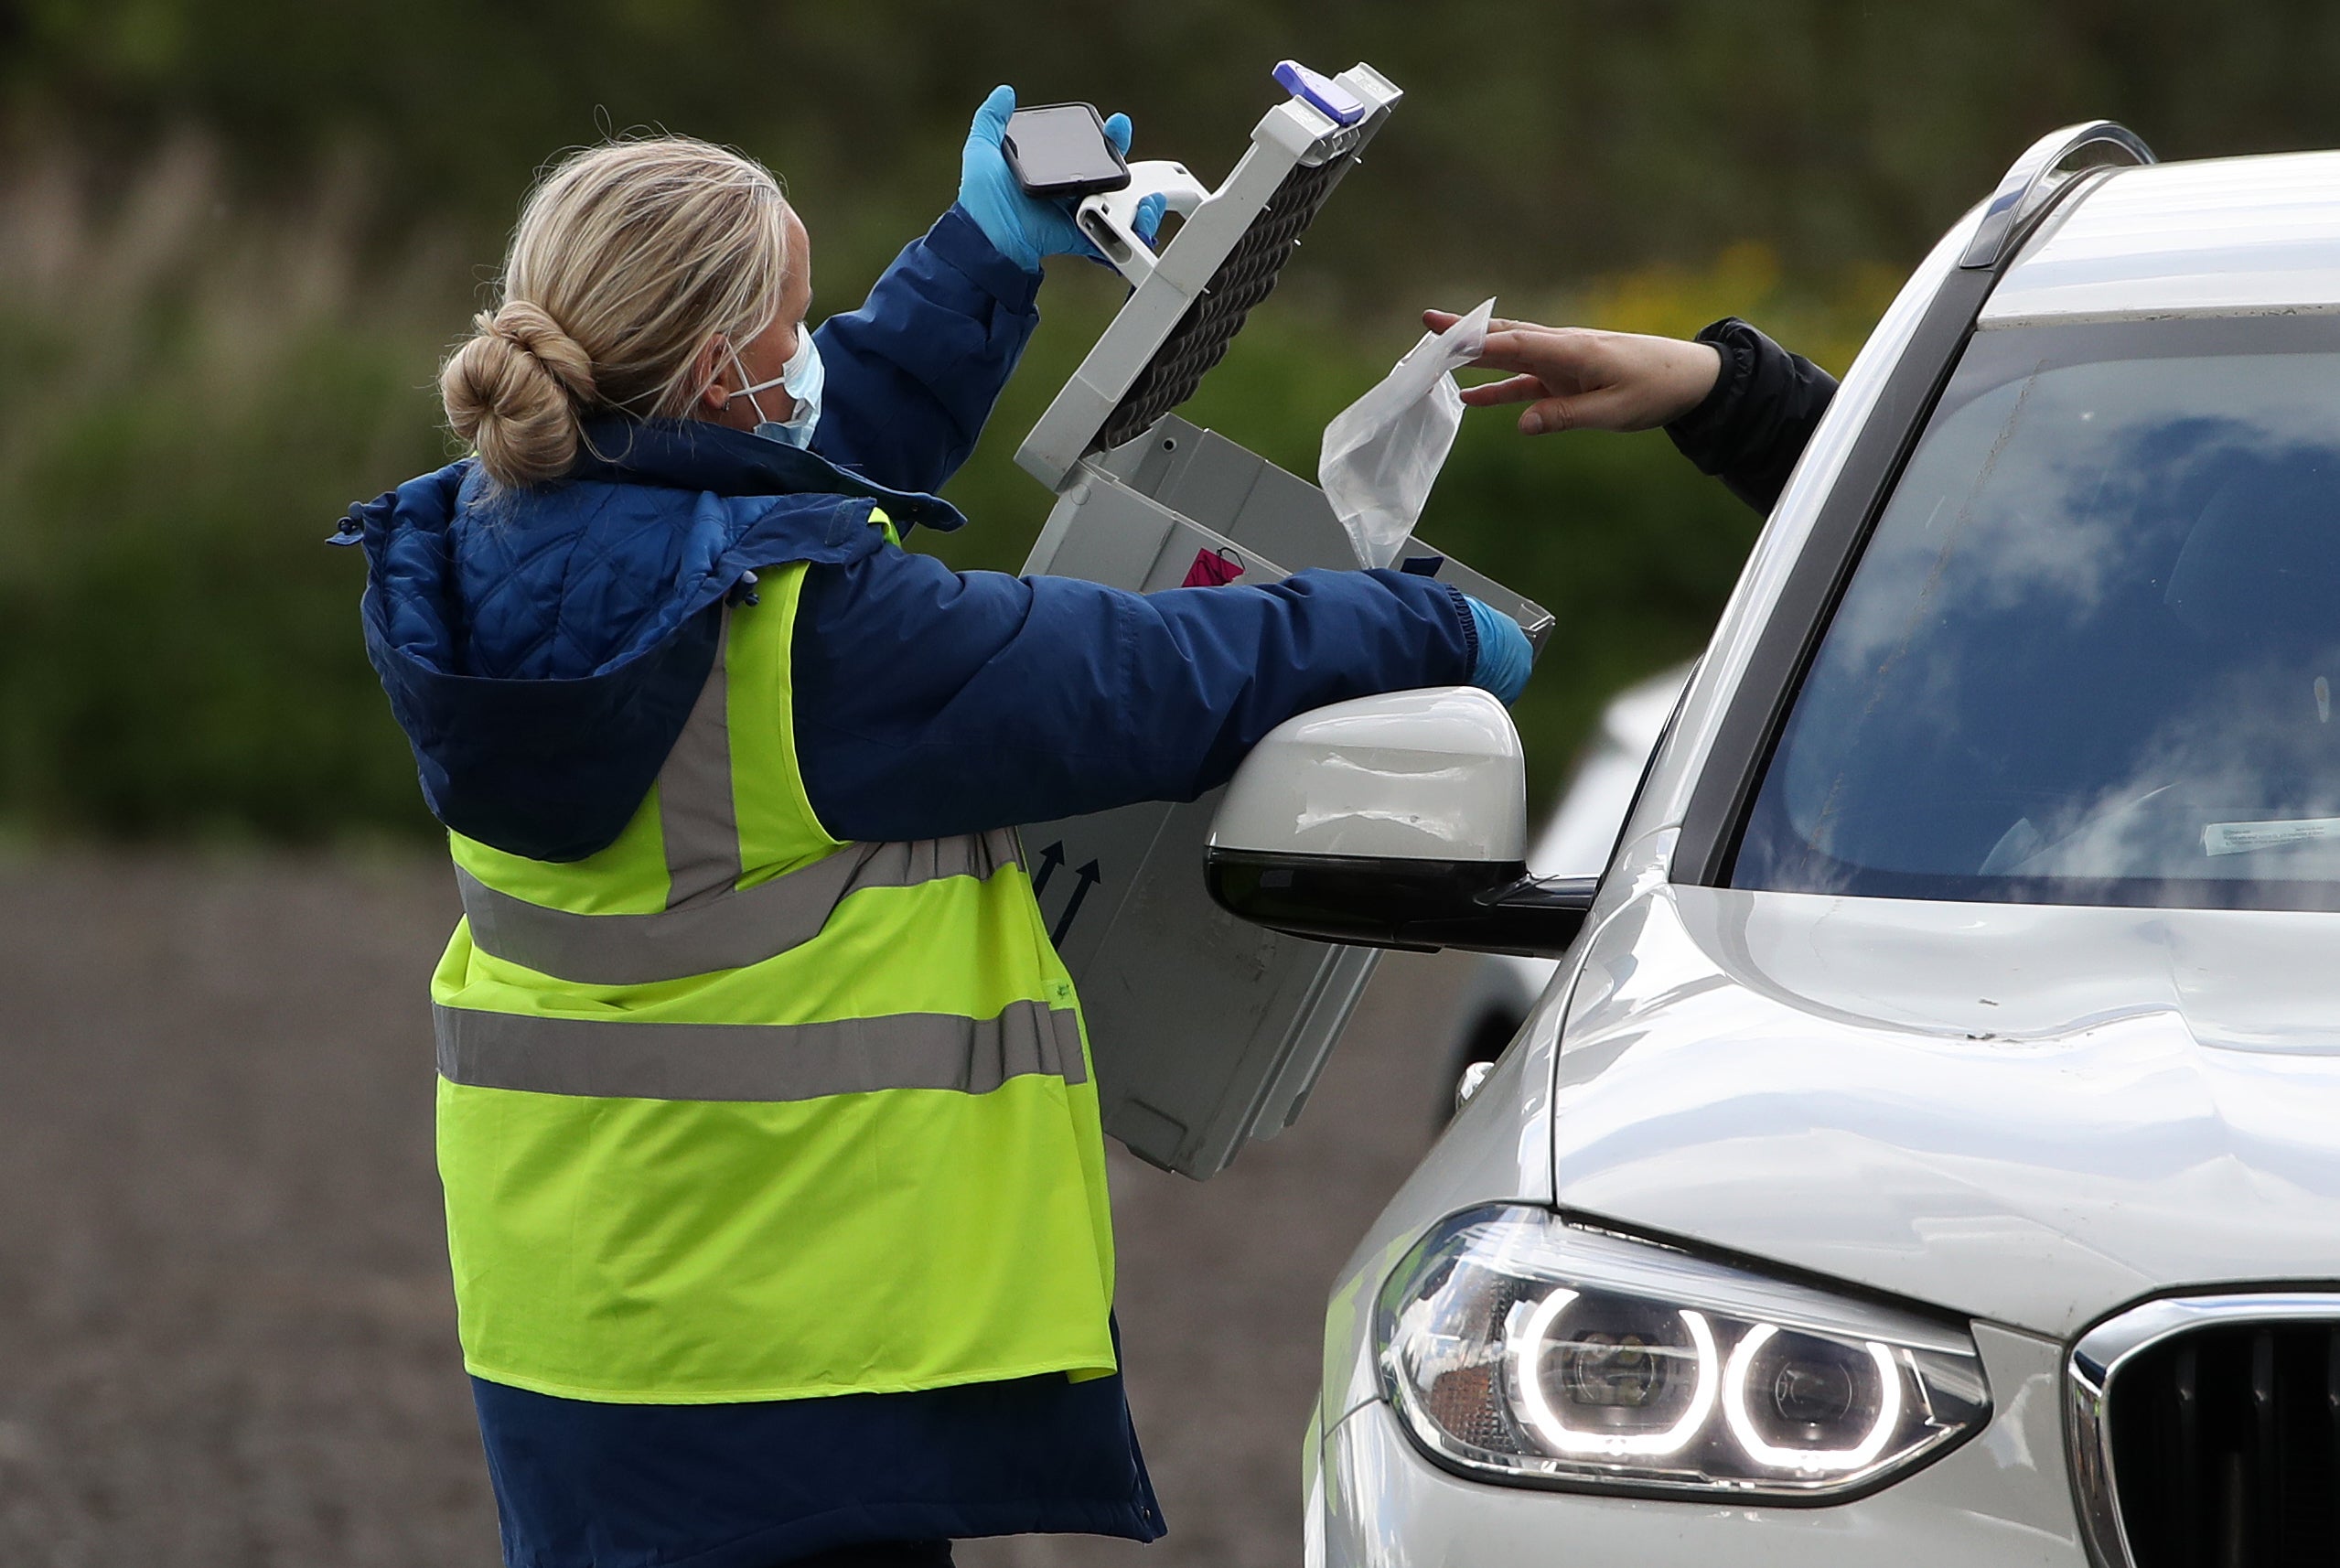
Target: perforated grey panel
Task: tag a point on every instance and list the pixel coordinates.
(1246, 277)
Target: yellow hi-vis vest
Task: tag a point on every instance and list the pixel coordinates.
(734, 1110)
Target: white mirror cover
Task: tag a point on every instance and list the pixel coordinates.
(1434, 774)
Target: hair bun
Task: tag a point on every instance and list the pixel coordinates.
(528, 328)
(514, 389)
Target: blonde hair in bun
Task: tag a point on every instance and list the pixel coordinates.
(514, 392)
(625, 260)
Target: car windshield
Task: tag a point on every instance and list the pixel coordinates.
(2090, 653)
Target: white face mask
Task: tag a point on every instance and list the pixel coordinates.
(801, 378)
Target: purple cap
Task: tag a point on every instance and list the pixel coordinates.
(1344, 107)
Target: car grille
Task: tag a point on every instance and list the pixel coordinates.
(2223, 1447)
(2216, 1436)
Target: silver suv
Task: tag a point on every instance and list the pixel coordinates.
(1928, 1149)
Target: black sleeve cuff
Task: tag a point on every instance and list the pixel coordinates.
(1750, 429)
(1702, 433)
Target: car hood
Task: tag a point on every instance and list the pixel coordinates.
(2023, 1114)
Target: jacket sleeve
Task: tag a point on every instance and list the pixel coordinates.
(1755, 424)
(930, 702)
(912, 375)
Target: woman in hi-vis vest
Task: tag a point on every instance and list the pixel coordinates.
(775, 1190)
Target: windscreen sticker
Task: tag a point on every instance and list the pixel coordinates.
(2242, 838)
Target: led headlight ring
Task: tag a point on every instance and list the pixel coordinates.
(1742, 1426)
(1527, 1348)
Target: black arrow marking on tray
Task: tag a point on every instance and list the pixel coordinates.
(1089, 877)
(1050, 858)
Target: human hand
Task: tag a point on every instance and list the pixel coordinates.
(1577, 378)
(1022, 227)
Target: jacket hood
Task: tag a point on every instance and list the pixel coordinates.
(543, 649)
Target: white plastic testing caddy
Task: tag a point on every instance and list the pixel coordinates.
(1207, 1031)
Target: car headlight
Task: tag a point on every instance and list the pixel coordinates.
(1519, 1348)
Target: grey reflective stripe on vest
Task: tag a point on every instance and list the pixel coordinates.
(709, 923)
(696, 816)
(731, 931)
(757, 1061)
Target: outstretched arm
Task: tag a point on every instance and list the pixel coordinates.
(1738, 405)
(930, 702)
(912, 374)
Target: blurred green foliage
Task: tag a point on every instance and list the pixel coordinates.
(1541, 138)
(186, 405)
(236, 236)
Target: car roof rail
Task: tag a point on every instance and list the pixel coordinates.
(2033, 182)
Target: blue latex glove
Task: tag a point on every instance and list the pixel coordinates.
(1022, 227)
(1505, 656)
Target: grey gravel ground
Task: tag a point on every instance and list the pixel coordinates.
(226, 1337)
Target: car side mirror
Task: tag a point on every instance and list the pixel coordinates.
(1393, 821)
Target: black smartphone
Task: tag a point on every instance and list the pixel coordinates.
(1060, 149)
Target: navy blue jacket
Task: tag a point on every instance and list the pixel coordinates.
(542, 651)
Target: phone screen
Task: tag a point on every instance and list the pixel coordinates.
(1061, 147)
